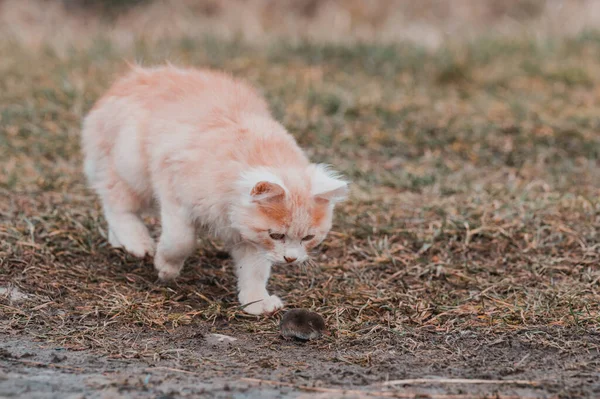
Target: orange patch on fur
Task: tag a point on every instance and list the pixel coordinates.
(319, 213)
(276, 151)
(268, 244)
(277, 212)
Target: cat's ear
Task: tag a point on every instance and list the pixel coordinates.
(261, 186)
(327, 185)
(265, 191)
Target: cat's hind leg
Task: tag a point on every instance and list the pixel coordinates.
(177, 240)
(122, 209)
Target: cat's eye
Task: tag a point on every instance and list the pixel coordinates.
(308, 237)
(276, 236)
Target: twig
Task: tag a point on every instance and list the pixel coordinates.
(171, 369)
(329, 390)
(386, 394)
(415, 381)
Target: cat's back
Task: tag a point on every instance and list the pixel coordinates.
(170, 89)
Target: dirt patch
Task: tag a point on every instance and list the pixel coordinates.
(188, 361)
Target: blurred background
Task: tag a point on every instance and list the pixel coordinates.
(428, 22)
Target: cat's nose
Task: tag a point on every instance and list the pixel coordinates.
(289, 260)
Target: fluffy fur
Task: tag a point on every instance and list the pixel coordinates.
(205, 147)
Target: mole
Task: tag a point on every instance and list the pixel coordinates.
(302, 324)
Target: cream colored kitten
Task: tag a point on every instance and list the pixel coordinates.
(206, 147)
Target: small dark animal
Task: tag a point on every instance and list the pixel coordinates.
(302, 324)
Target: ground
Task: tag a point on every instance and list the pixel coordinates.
(469, 248)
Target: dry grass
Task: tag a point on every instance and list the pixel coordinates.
(475, 205)
(475, 200)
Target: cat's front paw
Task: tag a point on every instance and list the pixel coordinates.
(167, 271)
(139, 247)
(267, 305)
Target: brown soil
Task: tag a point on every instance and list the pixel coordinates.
(189, 361)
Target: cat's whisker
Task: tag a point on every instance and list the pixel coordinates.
(310, 263)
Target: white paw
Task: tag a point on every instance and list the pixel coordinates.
(166, 271)
(140, 247)
(266, 305)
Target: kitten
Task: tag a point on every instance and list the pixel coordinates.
(205, 147)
